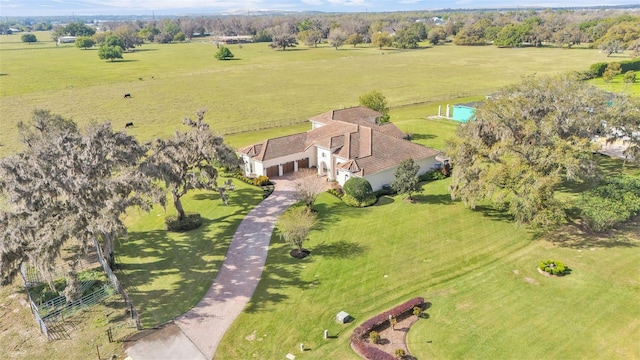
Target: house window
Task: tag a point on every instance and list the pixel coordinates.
(324, 155)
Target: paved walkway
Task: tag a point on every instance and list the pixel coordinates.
(196, 334)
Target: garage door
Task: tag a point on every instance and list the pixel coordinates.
(287, 167)
(272, 171)
(303, 164)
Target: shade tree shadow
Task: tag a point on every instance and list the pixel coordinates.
(340, 249)
(433, 199)
(280, 273)
(182, 263)
(578, 236)
(494, 213)
(384, 200)
(244, 198)
(418, 136)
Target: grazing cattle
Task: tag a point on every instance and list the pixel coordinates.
(127, 95)
(129, 124)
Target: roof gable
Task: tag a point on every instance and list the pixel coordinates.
(351, 134)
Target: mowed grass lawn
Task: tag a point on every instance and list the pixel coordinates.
(476, 269)
(258, 88)
(165, 273)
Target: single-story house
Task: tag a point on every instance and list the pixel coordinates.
(464, 112)
(341, 144)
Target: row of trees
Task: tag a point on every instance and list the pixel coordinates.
(69, 186)
(612, 31)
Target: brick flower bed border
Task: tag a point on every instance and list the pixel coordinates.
(358, 337)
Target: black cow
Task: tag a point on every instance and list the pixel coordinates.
(127, 96)
(129, 124)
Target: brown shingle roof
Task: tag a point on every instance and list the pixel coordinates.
(388, 152)
(276, 147)
(369, 147)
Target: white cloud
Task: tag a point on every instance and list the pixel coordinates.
(348, 2)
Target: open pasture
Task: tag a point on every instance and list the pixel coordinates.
(260, 87)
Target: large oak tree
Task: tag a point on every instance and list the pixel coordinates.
(188, 160)
(524, 142)
(67, 187)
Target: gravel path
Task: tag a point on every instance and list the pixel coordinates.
(196, 334)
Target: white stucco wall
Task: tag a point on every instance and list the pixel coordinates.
(378, 179)
(259, 168)
(385, 177)
(343, 176)
(324, 156)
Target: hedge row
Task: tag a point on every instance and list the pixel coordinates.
(364, 348)
(432, 175)
(257, 181)
(597, 69)
(336, 193)
(261, 181)
(353, 202)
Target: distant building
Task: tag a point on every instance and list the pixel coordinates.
(66, 39)
(236, 39)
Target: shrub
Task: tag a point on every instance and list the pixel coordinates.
(386, 190)
(597, 69)
(336, 193)
(611, 71)
(374, 337)
(353, 202)
(554, 267)
(266, 191)
(630, 77)
(190, 222)
(358, 188)
(261, 181)
(417, 311)
(614, 201)
(432, 175)
(357, 337)
(400, 353)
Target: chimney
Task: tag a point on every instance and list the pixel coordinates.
(365, 141)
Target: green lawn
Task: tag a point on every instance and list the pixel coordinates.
(475, 268)
(262, 87)
(166, 274)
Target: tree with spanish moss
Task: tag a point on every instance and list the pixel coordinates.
(189, 160)
(68, 187)
(525, 142)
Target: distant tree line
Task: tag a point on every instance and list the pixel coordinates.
(612, 31)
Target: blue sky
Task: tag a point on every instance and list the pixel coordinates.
(178, 7)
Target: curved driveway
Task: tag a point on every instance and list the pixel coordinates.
(196, 334)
